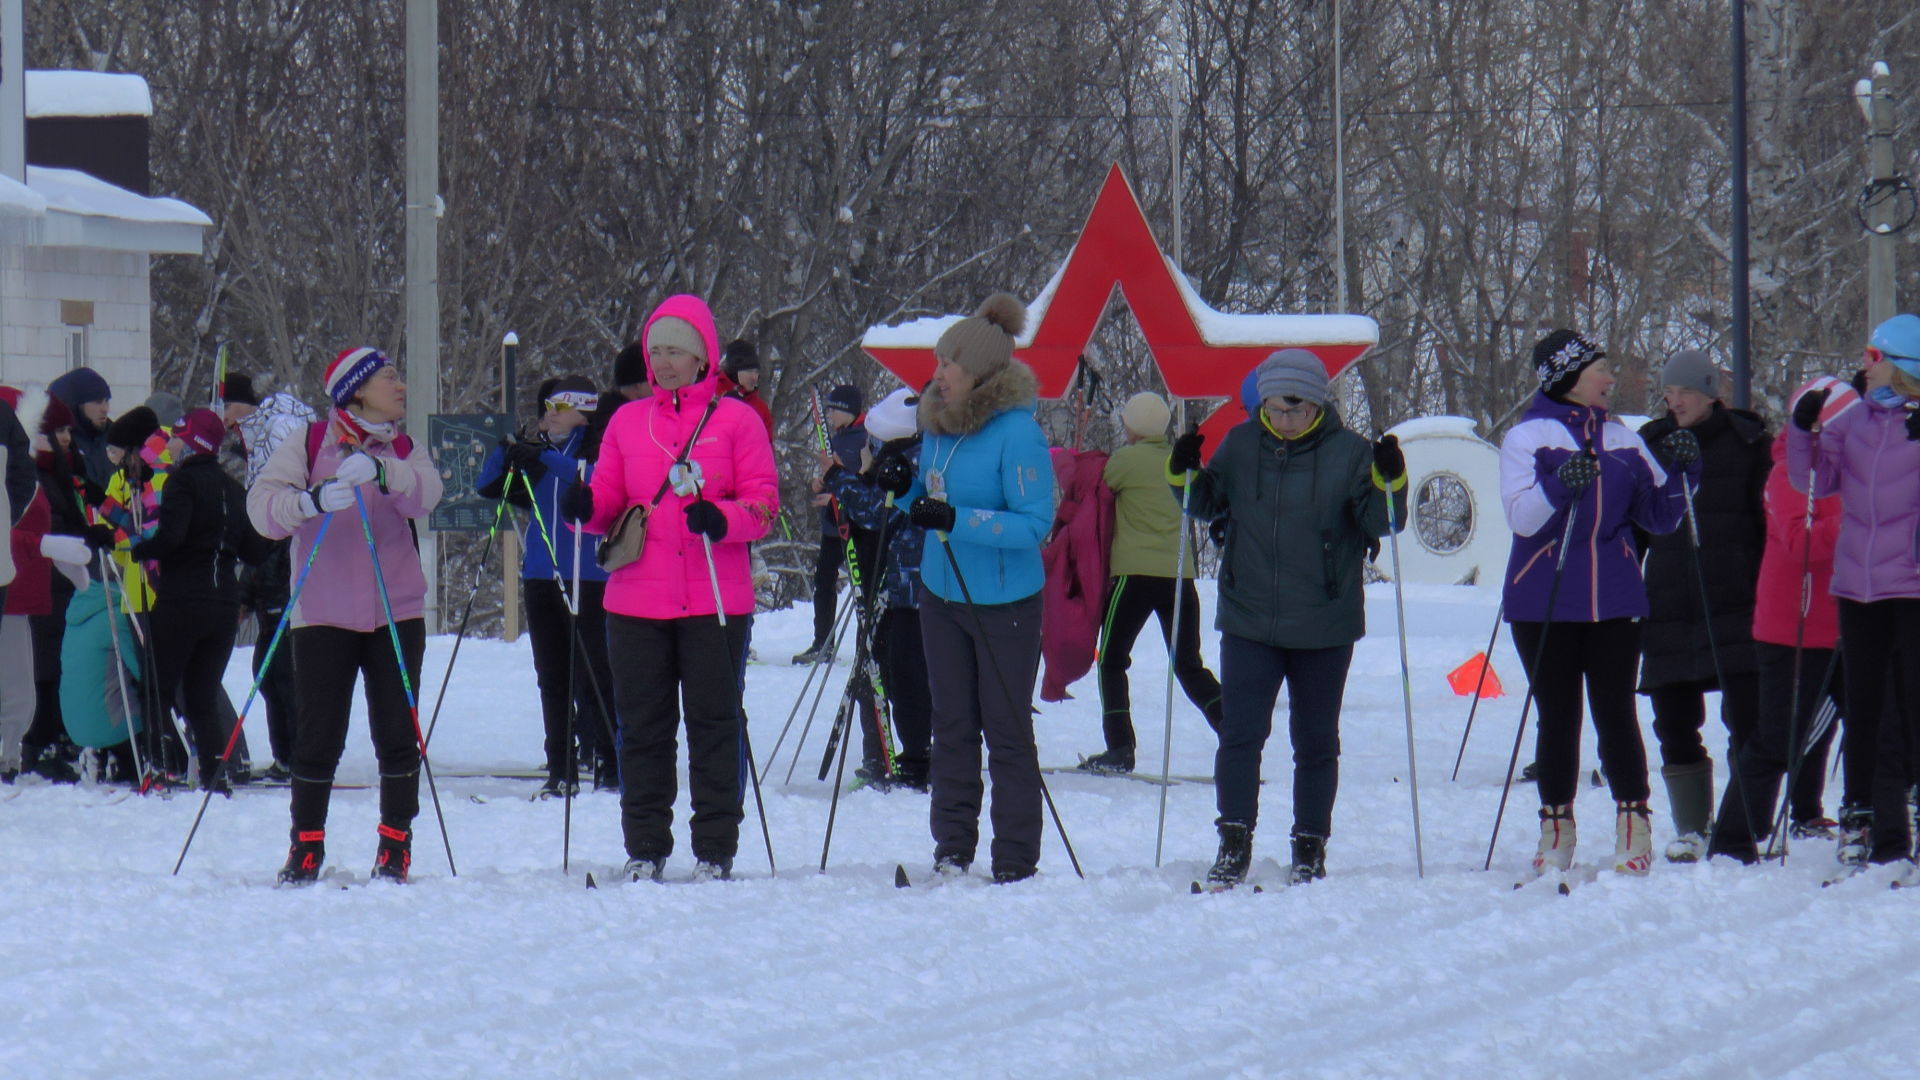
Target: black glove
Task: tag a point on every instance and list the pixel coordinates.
(525, 456)
(705, 519)
(100, 537)
(893, 474)
(1388, 460)
(576, 503)
(1682, 447)
(1578, 471)
(1913, 426)
(1806, 411)
(92, 493)
(1186, 453)
(930, 513)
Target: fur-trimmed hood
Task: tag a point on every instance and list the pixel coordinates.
(1012, 387)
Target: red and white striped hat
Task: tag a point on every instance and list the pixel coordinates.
(351, 370)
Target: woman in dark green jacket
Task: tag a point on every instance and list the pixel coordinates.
(1301, 496)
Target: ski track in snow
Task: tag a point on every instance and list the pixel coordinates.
(112, 967)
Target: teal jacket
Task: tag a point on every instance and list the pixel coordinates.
(990, 458)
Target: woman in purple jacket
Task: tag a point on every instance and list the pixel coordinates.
(1570, 472)
(1870, 454)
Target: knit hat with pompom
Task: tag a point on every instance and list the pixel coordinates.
(982, 343)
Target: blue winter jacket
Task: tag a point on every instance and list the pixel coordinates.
(559, 473)
(990, 458)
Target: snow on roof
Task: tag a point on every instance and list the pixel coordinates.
(17, 199)
(1216, 327)
(87, 93)
(75, 192)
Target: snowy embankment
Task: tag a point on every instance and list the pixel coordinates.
(111, 967)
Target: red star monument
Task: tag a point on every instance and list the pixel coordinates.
(1201, 353)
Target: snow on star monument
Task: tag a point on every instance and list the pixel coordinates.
(1200, 352)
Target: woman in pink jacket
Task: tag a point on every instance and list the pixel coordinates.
(339, 624)
(698, 466)
(1869, 453)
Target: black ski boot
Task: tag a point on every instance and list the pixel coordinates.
(213, 778)
(394, 857)
(645, 867)
(557, 788)
(606, 773)
(1309, 858)
(309, 850)
(1236, 854)
(1114, 762)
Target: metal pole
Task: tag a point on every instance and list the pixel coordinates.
(13, 90)
(423, 257)
(1742, 362)
(510, 543)
(1179, 187)
(1881, 239)
(1339, 171)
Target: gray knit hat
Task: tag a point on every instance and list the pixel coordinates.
(982, 343)
(167, 408)
(1692, 369)
(1294, 373)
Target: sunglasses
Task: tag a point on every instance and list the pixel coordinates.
(559, 406)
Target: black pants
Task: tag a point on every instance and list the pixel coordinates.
(1680, 712)
(826, 583)
(981, 662)
(1767, 755)
(551, 629)
(1606, 657)
(49, 633)
(1316, 682)
(192, 642)
(665, 665)
(1131, 598)
(327, 659)
(901, 653)
(1877, 640)
(279, 688)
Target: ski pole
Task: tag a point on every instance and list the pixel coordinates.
(1406, 684)
(572, 766)
(406, 677)
(553, 563)
(1486, 661)
(466, 615)
(1799, 645)
(1173, 652)
(120, 670)
(1823, 718)
(812, 670)
(1539, 654)
(734, 677)
(1713, 644)
(819, 693)
(1006, 689)
(273, 648)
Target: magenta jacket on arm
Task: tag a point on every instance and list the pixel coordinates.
(1863, 455)
(669, 579)
(341, 591)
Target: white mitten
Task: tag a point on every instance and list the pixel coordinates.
(73, 573)
(357, 469)
(66, 549)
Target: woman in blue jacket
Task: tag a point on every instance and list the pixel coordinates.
(985, 492)
(542, 468)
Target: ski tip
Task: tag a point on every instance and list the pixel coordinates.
(1565, 889)
(1197, 890)
(591, 884)
(900, 880)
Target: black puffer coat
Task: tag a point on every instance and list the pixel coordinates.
(1735, 458)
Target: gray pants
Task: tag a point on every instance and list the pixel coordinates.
(17, 696)
(965, 673)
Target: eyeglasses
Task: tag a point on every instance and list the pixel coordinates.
(1291, 412)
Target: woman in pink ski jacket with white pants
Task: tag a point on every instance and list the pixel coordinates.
(665, 643)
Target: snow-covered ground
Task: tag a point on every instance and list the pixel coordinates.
(109, 966)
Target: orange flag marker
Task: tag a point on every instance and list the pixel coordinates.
(1467, 676)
